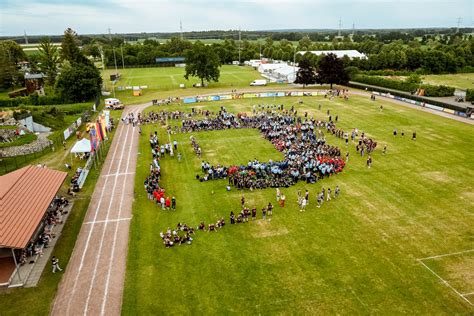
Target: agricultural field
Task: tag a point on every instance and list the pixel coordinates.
(357, 254)
(461, 81)
(165, 79)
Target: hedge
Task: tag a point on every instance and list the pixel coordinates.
(32, 99)
(386, 83)
(470, 95)
(438, 91)
(430, 90)
(406, 95)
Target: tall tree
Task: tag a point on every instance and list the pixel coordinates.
(79, 80)
(49, 58)
(202, 62)
(78, 83)
(331, 70)
(306, 74)
(70, 48)
(10, 54)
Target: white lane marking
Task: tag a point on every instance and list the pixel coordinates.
(112, 257)
(92, 229)
(109, 221)
(101, 244)
(118, 174)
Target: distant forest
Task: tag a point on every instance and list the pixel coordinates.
(316, 35)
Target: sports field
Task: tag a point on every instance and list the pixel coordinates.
(354, 255)
(164, 79)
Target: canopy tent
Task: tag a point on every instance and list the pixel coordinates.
(81, 146)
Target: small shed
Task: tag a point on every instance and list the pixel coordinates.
(34, 82)
(137, 91)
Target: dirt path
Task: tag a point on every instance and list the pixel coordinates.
(93, 281)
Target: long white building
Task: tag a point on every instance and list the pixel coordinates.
(351, 53)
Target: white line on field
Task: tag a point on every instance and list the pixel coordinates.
(445, 282)
(447, 254)
(92, 229)
(468, 294)
(112, 257)
(101, 244)
(109, 221)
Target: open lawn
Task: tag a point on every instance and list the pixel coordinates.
(460, 81)
(161, 79)
(355, 255)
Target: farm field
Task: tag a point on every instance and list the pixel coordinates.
(164, 79)
(357, 254)
(460, 81)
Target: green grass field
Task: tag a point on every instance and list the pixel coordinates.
(354, 255)
(161, 80)
(461, 81)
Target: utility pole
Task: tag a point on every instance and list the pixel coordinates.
(340, 26)
(458, 24)
(110, 34)
(123, 63)
(181, 29)
(240, 39)
(26, 38)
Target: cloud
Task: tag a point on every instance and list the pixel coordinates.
(127, 16)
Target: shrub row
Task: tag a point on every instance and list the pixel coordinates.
(470, 95)
(405, 95)
(430, 90)
(32, 99)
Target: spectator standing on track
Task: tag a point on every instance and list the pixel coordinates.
(55, 264)
(175, 144)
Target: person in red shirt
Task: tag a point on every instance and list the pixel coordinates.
(168, 203)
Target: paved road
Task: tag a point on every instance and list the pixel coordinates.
(94, 279)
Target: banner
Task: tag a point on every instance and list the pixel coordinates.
(250, 95)
(189, 100)
(66, 133)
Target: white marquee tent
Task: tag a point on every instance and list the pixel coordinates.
(81, 146)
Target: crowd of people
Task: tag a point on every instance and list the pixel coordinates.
(154, 190)
(184, 234)
(307, 157)
(54, 216)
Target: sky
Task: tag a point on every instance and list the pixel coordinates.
(49, 17)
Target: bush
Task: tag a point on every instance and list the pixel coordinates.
(470, 95)
(407, 85)
(32, 99)
(386, 83)
(438, 91)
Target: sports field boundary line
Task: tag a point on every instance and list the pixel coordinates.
(461, 295)
(447, 254)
